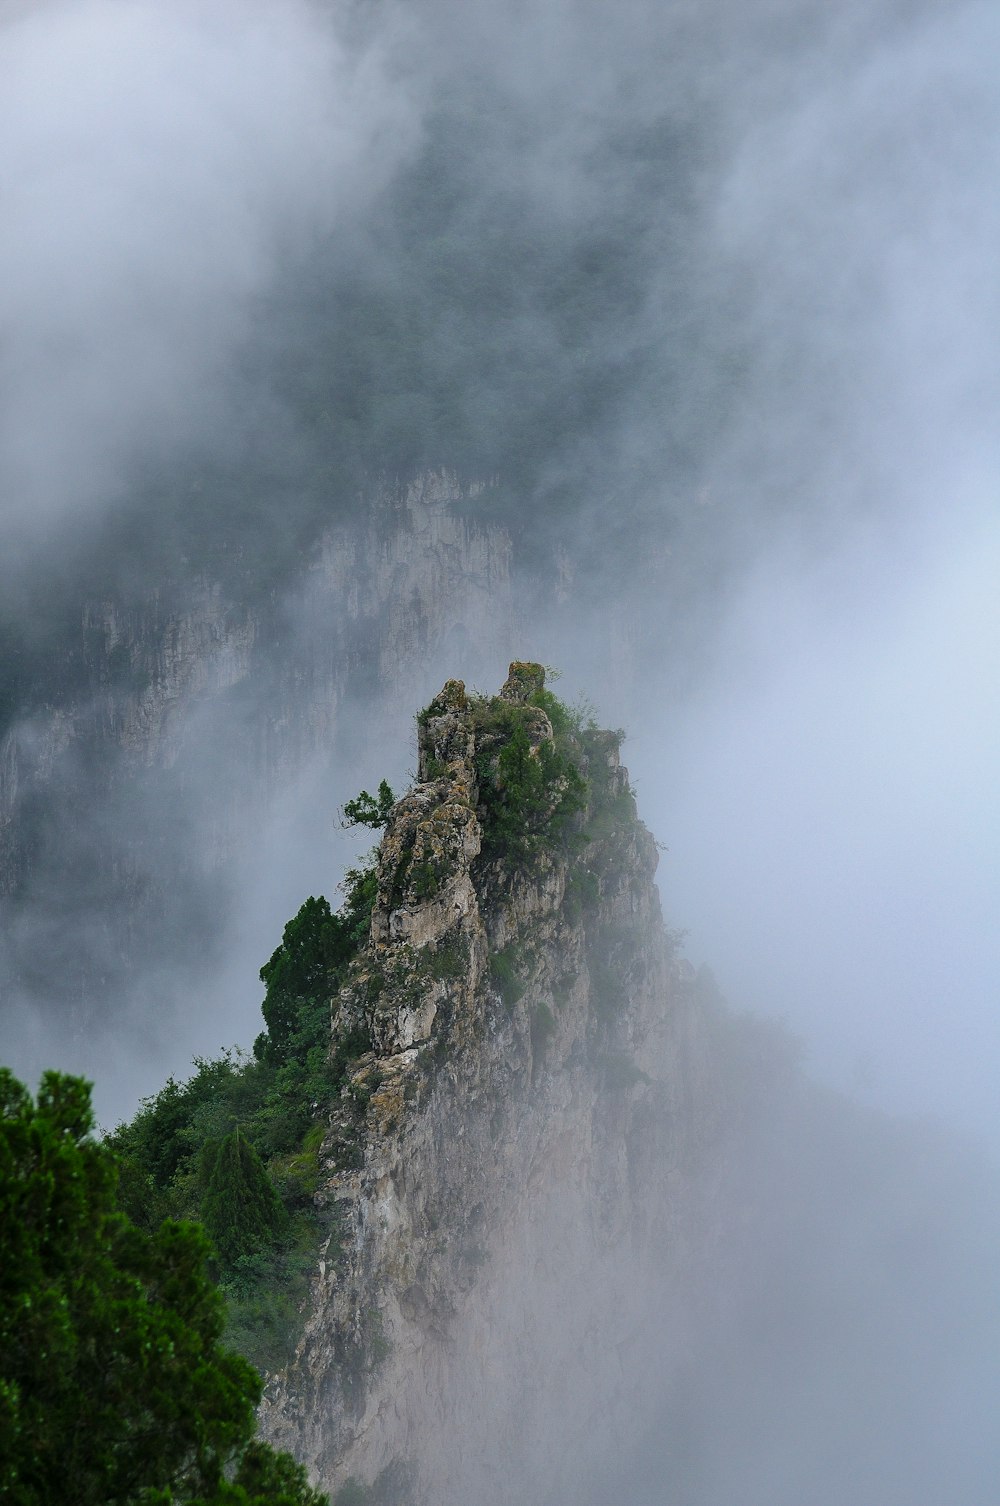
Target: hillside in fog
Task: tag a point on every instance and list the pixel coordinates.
(347, 346)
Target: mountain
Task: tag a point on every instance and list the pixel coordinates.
(132, 796)
(497, 1163)
(673, 308)
(588, 1234)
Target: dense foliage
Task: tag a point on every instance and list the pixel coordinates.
(370, 810)
(527, 795)
(241, 1211)
(530, 788)
(115, 1389)
(316, 947)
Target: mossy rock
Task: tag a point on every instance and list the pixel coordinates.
(524, 680)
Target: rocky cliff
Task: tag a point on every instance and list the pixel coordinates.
(507, 1168)
(151, 738)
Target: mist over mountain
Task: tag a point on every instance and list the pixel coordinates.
(566, 1226)
(345, 347)
(705, 295)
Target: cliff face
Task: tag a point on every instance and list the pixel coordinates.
(192, 717)
(378, 593)
(506, 1169)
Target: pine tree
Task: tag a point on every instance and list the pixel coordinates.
(114, 1387)
(241, 1210)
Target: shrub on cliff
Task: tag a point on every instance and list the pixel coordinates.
(529, 789)
(370, 810)
(298, 978)
(168, 1153)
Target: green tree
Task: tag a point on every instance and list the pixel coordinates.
(297, 978)
(370, 810)
(114, 1388)
(241, 1210)
(304, 972)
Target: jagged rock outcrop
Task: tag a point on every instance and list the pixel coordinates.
(506, 1168)
(147, 750)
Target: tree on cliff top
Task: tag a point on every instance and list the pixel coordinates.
(114, 1389)
(304, 971)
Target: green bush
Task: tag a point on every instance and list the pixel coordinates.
(504, 973)
(307, 968)
(241, 1211)
(448, 959)
(583, 891)
(528, 794)
(236, 1145)
(264, 1293)
(370, 810)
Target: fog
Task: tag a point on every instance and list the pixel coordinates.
(707, 294)
(848, 739)
(161, 162)
(836, 759)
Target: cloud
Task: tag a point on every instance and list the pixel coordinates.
(827, 799)
(159, 164)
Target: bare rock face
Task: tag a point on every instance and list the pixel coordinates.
(505, 1169)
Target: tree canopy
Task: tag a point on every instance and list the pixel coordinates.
(114, 1387)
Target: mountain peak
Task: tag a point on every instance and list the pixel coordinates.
(516, 993)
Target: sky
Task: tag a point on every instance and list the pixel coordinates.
(160, 164)
(831, 821)
(828, 792)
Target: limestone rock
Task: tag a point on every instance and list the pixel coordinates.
(515, 1174)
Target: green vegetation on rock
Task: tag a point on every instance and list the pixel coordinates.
(241, 1210)
(527, 792)
(113, 1291)
(370, 810)
(504, 975)
(542, 794)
